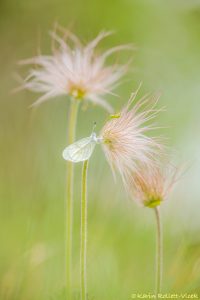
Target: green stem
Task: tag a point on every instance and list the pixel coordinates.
(159, 258)
(83, 250)
(69, 195)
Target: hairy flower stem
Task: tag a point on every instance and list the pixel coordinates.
(69, 195)
(83, 250)
(159, 255)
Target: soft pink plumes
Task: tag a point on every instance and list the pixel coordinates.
(125, 140)
(75, 70)
(150, 185)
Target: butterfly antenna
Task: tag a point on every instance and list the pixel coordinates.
(94, 126)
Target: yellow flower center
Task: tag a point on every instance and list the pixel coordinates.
(152, 201)
(109, 141)
(77, 92)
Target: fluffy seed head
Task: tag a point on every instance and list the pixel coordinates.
(74, 69)
(124, 138)
(150, 185)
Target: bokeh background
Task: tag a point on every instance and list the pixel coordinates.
(121, 237)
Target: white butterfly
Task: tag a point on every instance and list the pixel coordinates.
(82, 149)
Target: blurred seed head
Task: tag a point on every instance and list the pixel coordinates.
(75, 70)
(150, 185)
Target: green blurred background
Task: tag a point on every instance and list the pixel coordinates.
(121, 237)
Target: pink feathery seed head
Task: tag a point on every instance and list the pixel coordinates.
(75, 70)
(124, 136)
(150, 185)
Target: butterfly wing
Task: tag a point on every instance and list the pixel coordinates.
(80, 150)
